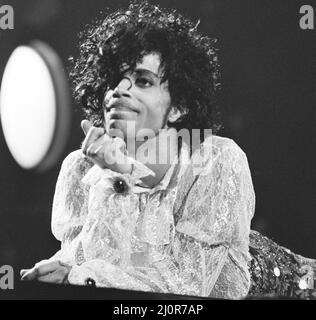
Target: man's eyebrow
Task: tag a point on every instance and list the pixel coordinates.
(146, 71)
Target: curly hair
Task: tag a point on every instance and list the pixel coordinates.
(189, 61)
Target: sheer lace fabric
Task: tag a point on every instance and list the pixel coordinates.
(187, 235)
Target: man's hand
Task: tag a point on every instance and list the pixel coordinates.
(103, 150)
(47, 271)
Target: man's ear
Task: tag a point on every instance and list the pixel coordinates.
(174, 114)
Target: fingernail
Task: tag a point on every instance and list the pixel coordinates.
(98, 149)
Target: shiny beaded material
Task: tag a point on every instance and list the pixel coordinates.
(276, 271)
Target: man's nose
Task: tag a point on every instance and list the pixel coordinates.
(122, 89)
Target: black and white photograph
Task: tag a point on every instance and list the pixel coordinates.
(157, 150)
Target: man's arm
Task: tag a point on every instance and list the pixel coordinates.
(210, 245)
(68, 216)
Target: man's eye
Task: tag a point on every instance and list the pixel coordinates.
(143, 82)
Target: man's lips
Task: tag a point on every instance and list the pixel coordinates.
(121, 114)
(121, 105)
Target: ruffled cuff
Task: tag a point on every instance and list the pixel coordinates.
(100, 273)
(139, 171)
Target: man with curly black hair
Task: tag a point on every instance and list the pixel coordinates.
(172, 226)
(188, 62)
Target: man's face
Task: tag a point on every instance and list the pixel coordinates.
(139, 97)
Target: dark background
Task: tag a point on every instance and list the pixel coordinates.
(268, 101)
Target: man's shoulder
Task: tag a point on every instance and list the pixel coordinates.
(214, 151)
(218, 145)
(75, 155)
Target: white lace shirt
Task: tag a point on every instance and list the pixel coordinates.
(187, 235)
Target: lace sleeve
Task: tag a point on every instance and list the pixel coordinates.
(215, 226)
(209, 250)
(69, 209)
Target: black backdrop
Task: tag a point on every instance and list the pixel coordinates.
(268, 101)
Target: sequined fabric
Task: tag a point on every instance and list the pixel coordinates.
(278, 272)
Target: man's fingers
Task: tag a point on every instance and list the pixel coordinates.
(50, 278)
(98, 147)
(105, 150)
(85, 126)
(92, 136)
(29, 275)
(95, 147)
(48, 267)
(120, 144)
(24, 271)
(59, 276)
(39, 270)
